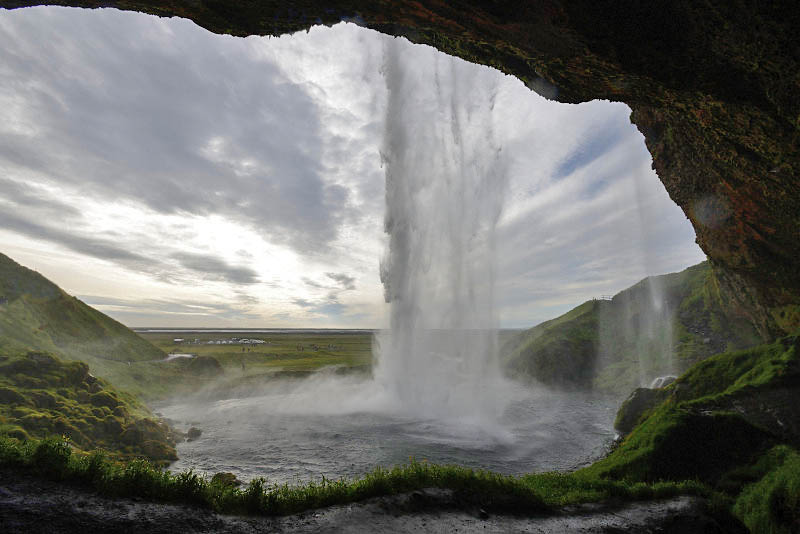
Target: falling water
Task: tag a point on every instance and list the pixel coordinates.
(445, 186)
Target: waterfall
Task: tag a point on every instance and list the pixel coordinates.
(445, 187)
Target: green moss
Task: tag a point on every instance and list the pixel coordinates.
(59, 404)
(725, 374)
(676, 444)
(690, 435)
(10, 396)
(638, 407)
(104, 399)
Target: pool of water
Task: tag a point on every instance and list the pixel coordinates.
(294, 433)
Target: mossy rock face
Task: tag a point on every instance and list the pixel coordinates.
(104, 399)
(156, 448)
(702, 428)
(113, 426)
(634, 408)
(14, 431)
(56, 402)
(10, 396)
(680, 445)
(43, 399)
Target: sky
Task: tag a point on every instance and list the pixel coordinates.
(169, 176)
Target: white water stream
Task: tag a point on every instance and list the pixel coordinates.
(445, 188)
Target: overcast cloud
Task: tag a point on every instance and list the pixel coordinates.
(179, 178)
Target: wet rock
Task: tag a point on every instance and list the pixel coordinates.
(194, 433)
(662, 381)
(641, 401)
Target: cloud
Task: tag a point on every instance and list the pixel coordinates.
(303, 303)
(213, 268)
(206, 312)
(246, 171)
(311, 283)
(160, 122)
(348, 283)
(98, 248)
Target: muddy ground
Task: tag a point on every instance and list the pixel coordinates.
(33, 505)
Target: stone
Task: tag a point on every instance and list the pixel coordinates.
(194, 433)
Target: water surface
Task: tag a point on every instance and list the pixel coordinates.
(296, 437)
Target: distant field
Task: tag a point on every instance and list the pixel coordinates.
(286, 351)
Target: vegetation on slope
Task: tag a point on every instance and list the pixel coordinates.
(295, 352)
(42, 395)
(705, 429)
(37, 315)
(536, 493)
(681, 447)
(772, 504)
(662, 325)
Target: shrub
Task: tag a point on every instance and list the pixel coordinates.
(52, 456)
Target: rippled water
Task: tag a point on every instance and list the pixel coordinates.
(292, 435)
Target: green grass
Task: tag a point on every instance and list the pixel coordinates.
(700, 431)
(40, 316)
(772, 503)
(676, 444)
(531, 494)
(282, 351)
(728, 373)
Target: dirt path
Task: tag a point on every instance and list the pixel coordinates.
(30, 505)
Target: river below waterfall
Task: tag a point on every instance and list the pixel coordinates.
(284, 436)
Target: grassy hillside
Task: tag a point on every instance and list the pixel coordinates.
(35, 314)
(662, 325)
(730, 422)
(40, 315)
(42, 395)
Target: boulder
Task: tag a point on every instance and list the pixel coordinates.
(637, 406)
(193, 433)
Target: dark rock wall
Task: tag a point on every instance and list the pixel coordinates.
(714, 86)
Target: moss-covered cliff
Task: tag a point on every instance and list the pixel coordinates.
(714, 87)
(661, 325)
(730, 422)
